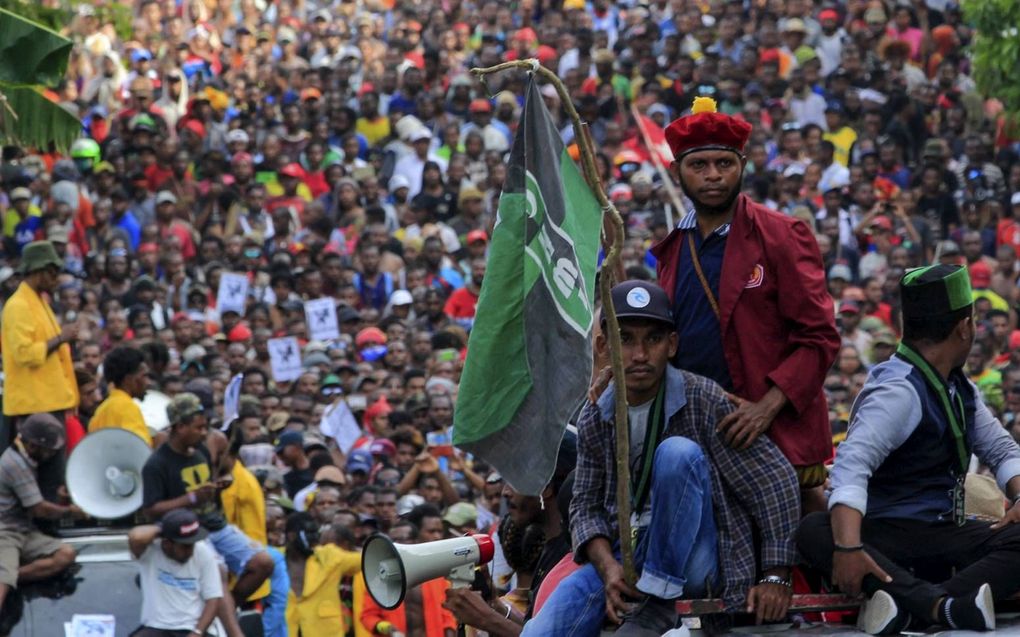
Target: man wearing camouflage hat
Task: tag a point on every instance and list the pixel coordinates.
(897, 499)
(179, 474)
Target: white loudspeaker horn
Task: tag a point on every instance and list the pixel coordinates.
(390, 569)
(104, 473)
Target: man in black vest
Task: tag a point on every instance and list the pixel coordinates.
(896, 526)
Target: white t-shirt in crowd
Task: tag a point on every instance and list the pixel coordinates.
(174, 594)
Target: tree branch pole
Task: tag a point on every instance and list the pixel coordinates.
(613, 225)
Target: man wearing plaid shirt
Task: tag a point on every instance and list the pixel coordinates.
(695, 499)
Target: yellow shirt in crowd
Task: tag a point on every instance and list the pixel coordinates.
(244, 506)
(374, 130)
(843, 140)
(317, 612)
(11, 219)
(120, 411)
(34, 380)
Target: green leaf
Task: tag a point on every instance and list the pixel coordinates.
(54, 17)
(39, 121)
(30, 53)
(995, 50)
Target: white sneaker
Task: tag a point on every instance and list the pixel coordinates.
(986, 604)
(879, 615)
(970, 613)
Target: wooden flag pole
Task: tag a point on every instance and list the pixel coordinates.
(613, 241)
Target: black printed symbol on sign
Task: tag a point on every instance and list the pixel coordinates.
(322, 316)
(285, 351)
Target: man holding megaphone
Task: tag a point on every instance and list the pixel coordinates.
(27, 554)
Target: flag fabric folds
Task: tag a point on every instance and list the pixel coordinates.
(529, 353)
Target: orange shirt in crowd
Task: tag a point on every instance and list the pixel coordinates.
(437, 618)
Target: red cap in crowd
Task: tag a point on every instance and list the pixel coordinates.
(370, 336)
(195, 127)
(477, 235)
(828, 14)
(980, 275)
(293, 170)
(706, 129)
(480, 105)
(239, 332)
(526, 34)
(882, 222)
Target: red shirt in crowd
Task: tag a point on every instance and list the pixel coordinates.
(461, 304)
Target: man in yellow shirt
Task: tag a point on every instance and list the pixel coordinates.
(38, 372)
(840, 134)
(127, 373)
(244, 504)
(373, 125)
(315, 570)
(11, 218)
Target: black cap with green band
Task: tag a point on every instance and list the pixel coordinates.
(935, 291)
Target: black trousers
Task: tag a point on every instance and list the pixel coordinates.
(921, 557)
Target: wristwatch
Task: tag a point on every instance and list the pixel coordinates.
(775, 579)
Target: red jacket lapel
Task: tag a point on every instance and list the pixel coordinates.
(743, 252)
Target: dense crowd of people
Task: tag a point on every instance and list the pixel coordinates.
(342, 150)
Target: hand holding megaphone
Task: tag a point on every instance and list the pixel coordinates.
(390, 569)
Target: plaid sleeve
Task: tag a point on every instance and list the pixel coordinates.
(21, 480)
(765, 485)
(589, 517)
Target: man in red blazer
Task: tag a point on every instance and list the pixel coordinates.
(749, 297)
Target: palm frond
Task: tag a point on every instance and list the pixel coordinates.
(30, 53)
(36, 121)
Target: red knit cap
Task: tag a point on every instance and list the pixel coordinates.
(706, 129)
(238, 333)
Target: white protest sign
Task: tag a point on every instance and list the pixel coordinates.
(232, 293)
(320, 316)
(231, 400)
(285, 358)
(339, 424)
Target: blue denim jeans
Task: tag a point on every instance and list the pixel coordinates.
(676, 555)
(234, 547)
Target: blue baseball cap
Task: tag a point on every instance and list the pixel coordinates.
(289, 438)
(360, 460)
